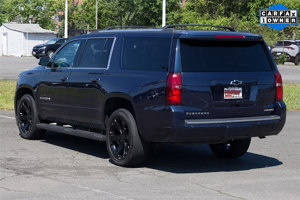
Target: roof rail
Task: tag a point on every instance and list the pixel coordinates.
(178, 25)
(126, 27)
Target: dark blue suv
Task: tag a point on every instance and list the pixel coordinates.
(132, 87)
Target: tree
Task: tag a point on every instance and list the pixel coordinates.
(129, 13)
(21, 10)
(2, 12)
(126, 12)
(240, 14)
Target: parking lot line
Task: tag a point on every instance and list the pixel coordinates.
(7, 117)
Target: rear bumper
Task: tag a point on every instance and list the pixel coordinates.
(231, 120)
(214, 130)
(225, 131)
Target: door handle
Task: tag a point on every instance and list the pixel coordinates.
(95, 80)
(64, 79)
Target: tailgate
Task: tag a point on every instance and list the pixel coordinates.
(223, 79)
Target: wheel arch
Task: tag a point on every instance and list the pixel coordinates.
(21, 92)
(116, 102)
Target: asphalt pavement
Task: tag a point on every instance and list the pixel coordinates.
(67, 167)
(10, 67)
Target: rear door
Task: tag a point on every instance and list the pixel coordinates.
(86, 95)
(226, 78)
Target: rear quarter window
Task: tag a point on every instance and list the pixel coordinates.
(144, 53)
(223, 56)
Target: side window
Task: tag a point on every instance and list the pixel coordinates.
(151, 54)
(96, 53)
(66, 56)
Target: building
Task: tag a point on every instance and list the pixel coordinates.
(19, 39)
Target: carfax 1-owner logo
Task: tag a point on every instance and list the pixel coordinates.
(278, 16)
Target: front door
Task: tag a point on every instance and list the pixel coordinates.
(53, 91)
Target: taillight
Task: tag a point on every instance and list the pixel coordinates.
(290, 48)
(174, 89)
(279, 87)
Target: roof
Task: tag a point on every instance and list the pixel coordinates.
(27, 28)
(171, 32)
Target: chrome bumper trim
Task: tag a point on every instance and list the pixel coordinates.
(232, 120)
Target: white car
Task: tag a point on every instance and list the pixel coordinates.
(290, 47)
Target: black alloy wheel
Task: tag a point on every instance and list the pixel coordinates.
(119, 138)
(123, 142)
(27, 118)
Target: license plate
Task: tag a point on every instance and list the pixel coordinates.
(278, 54)
(233, 93)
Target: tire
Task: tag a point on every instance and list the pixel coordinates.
(297, 59)
(50, 53)
(232, 149)
(123, 142)
(27, 118)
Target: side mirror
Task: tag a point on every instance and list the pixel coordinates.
(44, 61)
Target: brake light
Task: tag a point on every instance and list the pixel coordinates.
(174, 89)
(290, 48)
(279, 87)
(230, 36)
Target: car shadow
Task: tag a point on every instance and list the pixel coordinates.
(83, 145)
(173, 158)
(177, 158)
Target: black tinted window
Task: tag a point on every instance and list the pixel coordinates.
(96, 53)
(223, 56)
(151, 54)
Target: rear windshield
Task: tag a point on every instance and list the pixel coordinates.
(223, 56)
(53, 41)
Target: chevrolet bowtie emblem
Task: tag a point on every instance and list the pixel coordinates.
(236, 82)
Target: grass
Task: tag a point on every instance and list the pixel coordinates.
(7, 93)
(291, 95)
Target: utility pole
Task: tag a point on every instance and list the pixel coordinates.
(96, 14)
(164, 13)
(283, 41)
(66, 19)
